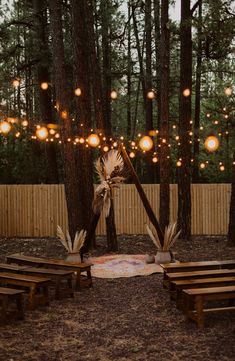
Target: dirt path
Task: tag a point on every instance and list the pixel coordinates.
(118, 319)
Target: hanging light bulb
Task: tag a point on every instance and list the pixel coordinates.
(44, 85)
(25, 123)
(228, 91)
(186, 92)
(202, 166)
(222, 168)
(150, 94)
(93, 140)
(105, 148)
(146, 143)
(132, 155)
(179, 163)
(78, 92)
(113, 95)
(155, 159)
(211, 143)
(42, 133)
(16, 83)
(5, 127)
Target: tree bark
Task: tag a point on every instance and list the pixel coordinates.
(82, 106)
(197, 98)
(164, 117)
(231, 227)
(184, 194)
(70, 177)
(43, 75)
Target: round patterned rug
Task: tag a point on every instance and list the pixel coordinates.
(122, 265)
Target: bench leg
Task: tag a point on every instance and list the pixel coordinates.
(32, 297)
(46, 295)
(4, 302)
(70, 286)
(89, 277)
(199, 312)
(78, 280)
(57, 289)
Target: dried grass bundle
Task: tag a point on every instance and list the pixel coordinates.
(109, 169)
(170, 236)
(71, 247)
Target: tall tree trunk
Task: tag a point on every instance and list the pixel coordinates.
(197, 98)
(231, 227)
(43, 75)
(106, 52)
(73, 200)
(82, 105)
(164, 117)
(100, 112)
(148, 81)
(129, 68)
(184, 194)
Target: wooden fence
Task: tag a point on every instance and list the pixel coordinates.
(35, 210)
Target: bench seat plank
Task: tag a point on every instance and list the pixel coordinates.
(195, 298)
(33, 283)
(172, 267)
(54, 263)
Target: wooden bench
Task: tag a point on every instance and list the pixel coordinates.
(32, 283)
(56, 275)
(77, 268)
(194, 300)
(169, 277)
(176, 287)
(7, 296)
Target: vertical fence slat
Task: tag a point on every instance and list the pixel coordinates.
(36, 210)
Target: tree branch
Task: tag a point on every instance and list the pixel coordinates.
(195, 6)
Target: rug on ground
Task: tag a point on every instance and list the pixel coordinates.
(122, 265)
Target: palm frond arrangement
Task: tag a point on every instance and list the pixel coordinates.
(76, 245)
(110, 171)
(170, 236)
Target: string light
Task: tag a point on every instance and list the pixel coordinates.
(5, 127)
(16, 83)
(82, 140)
(44, 86)
(25, 123)
(78, 92)
(211, 143)
(93, 140)
(228, 91)
(150, 94)
(113, 95)
(186, 92)
(42, 133)
(146, 143)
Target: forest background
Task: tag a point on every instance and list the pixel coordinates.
(120, 69)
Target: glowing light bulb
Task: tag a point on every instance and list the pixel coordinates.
(202, 165)
(113, 95)
(57, 135)
(16, 83)
(132, 155)
(52, 131)
(82, 140)
(150, 94)
(5, 127)
(211, 143)
(228, 91)
(93, 140)
(186, 92)
(179, 163)
(25, 123)
(105, 148)
(222, 168)
(42, 133)
(146, 143)
(155, 160)
(44, 86)
(78, 92)
(17, 134)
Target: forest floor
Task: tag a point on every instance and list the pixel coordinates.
(118, 319)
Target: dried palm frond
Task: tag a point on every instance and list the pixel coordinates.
(154, 237)
(61, 236)
(108, 168)
(67, 242)
(170, 236)
(79, 240)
